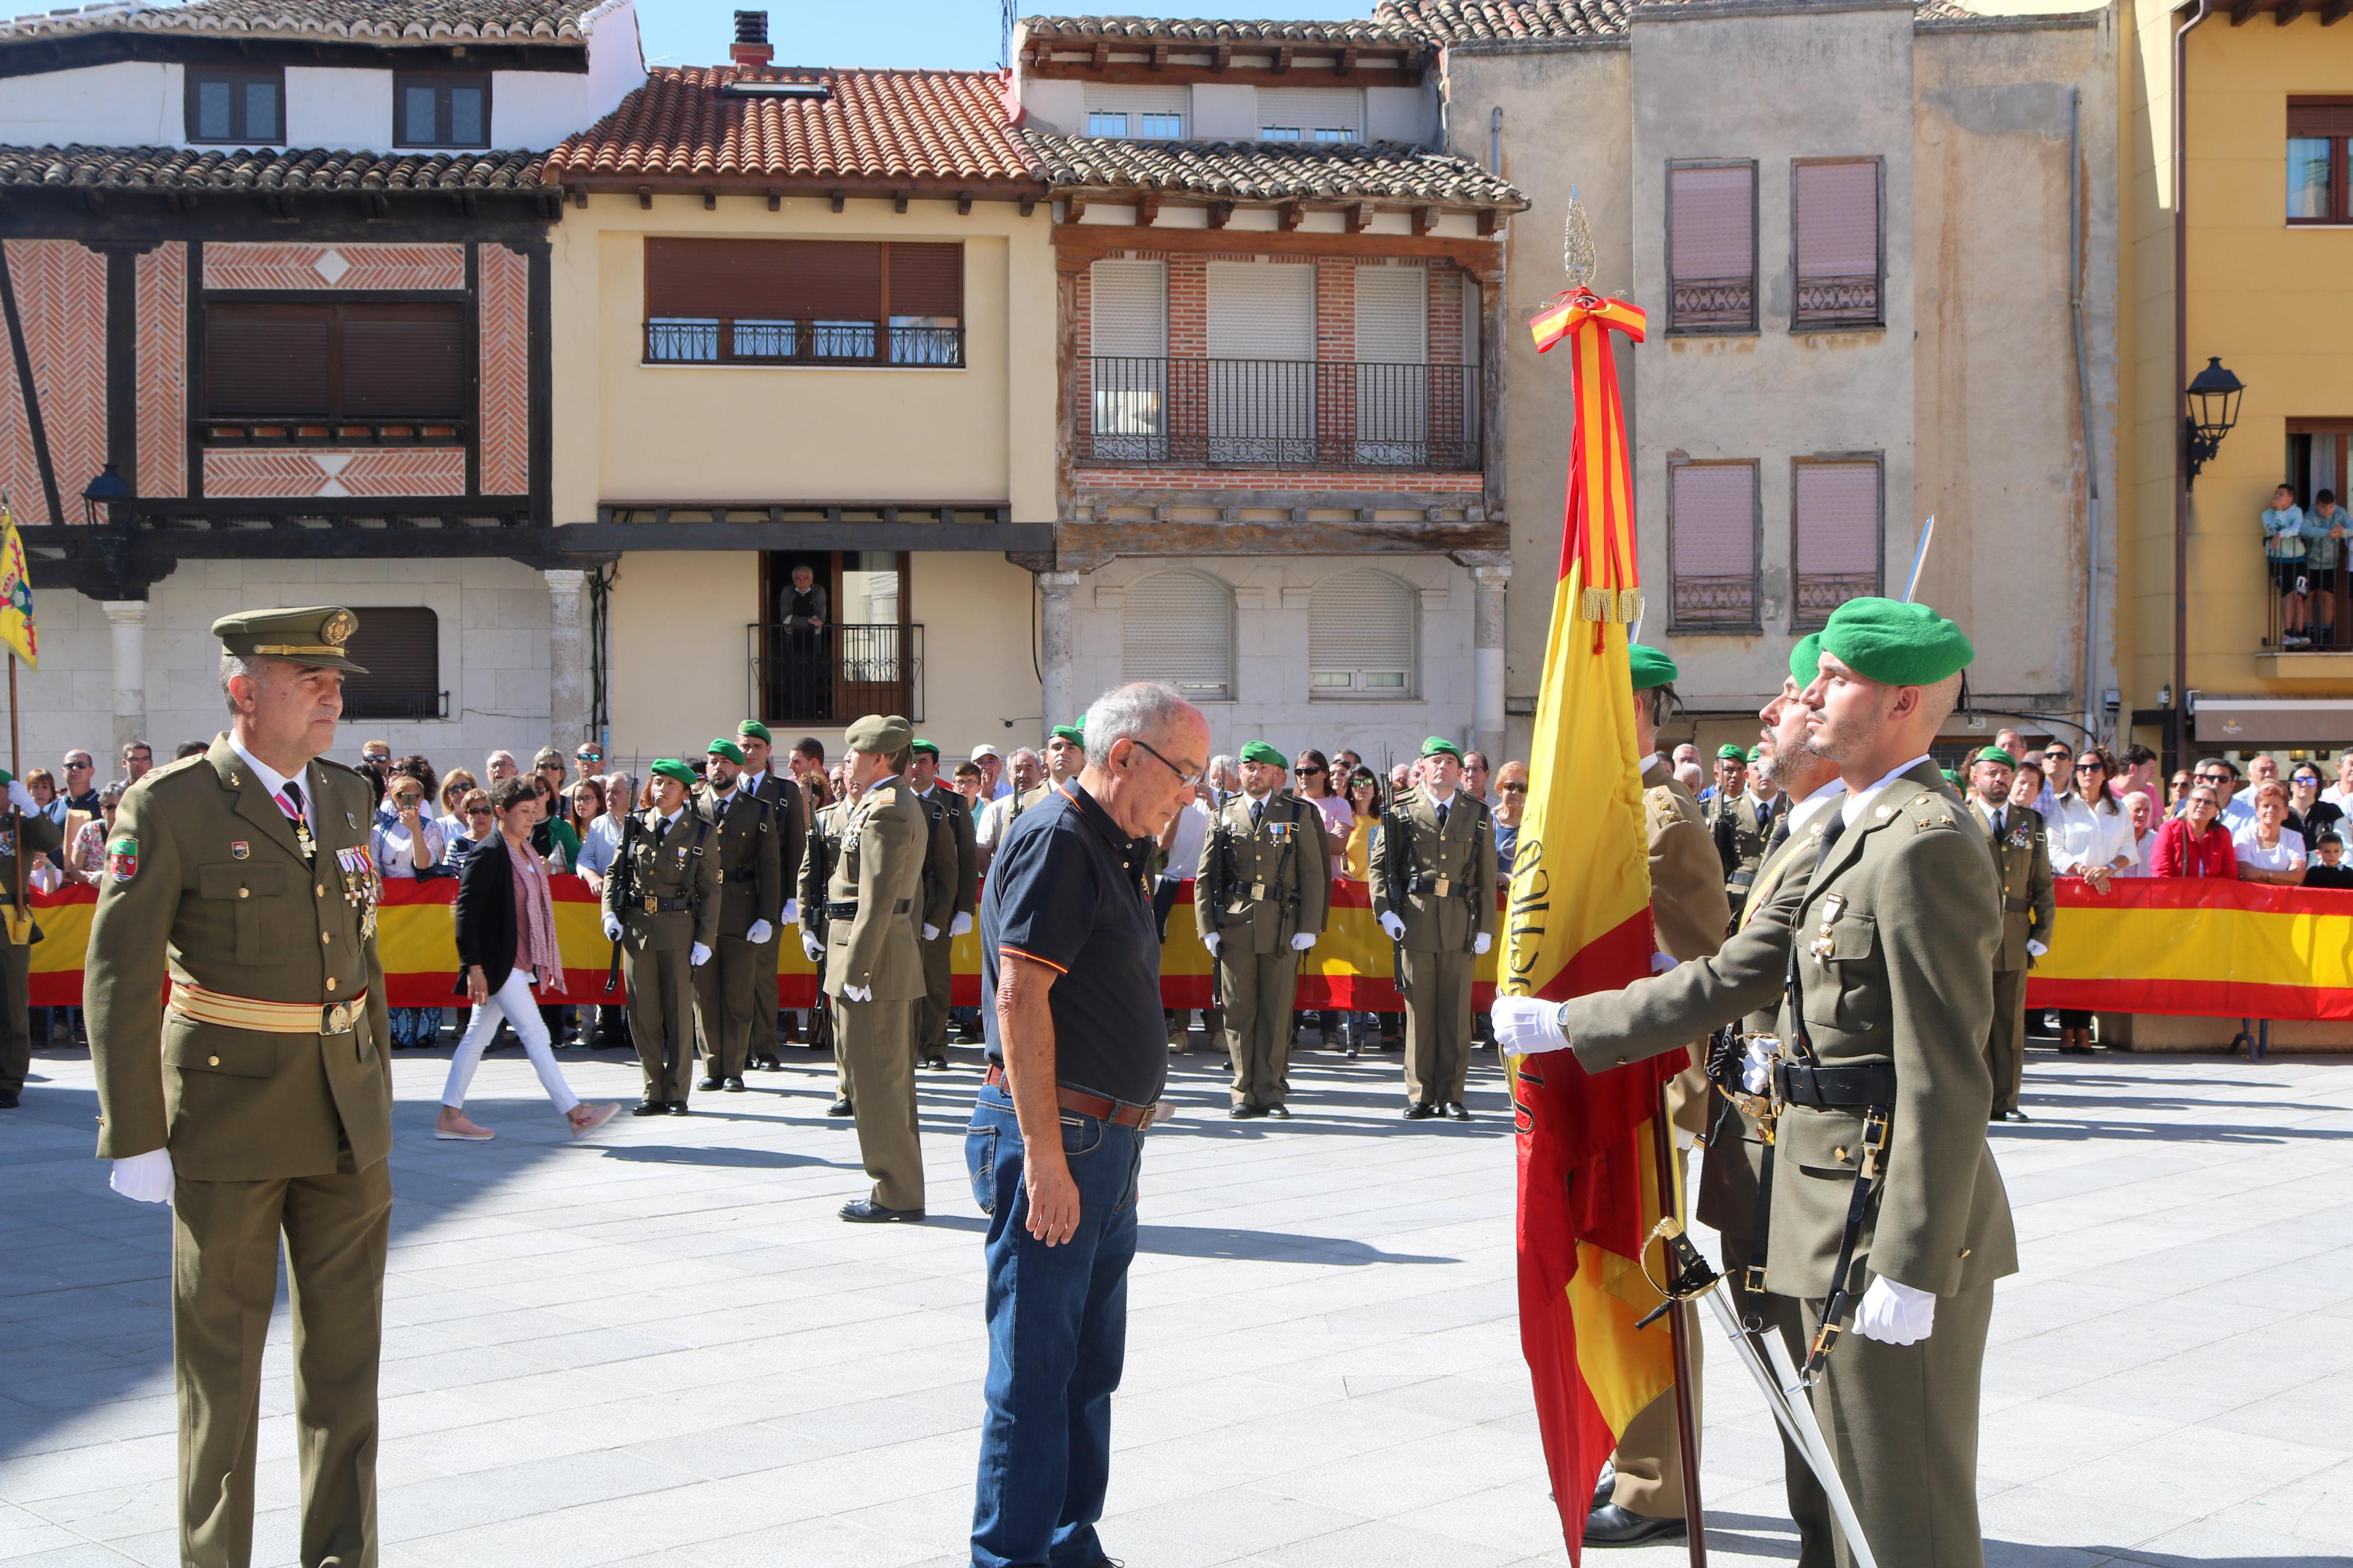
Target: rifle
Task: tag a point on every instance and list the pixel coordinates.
(624, 881)
(1397, 839)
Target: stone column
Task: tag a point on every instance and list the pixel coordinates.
(129, 618)
(1488, 584)
(568, 656)
(1055, 649)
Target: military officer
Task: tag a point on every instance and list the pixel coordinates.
(662, 906)
(1878, 1076)
(1433, 872)
(779, 789)
(2021, 858)
(873, 971)
(257, 1101)
(1260, 895)
(823, 849)
(951, 868)
(1066, 758)
(39, 836)
(736, 991)
(1737, 820)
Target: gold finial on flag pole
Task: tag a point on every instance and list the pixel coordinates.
(1577, 255)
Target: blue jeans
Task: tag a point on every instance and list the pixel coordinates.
(1057, 1339)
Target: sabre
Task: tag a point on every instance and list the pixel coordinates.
(1920, 557)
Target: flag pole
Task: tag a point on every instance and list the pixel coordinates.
(1663, 1154)
(16, 918)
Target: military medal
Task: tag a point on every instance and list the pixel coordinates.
(239, 849)
(360, 885)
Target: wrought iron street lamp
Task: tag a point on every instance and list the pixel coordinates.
(2214, 395)
(102, 496)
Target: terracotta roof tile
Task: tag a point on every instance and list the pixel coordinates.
(167, 169)
(1272, 170)
(931, 129)
(1164, 29)
(1460, 21)
(374, 21)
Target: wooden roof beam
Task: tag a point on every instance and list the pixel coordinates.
(2334, 11)
(2244, 11)
(1147, 208)
(1220, 214)
(2289, 10)
(1159, 59)
(1425, 220)
(1361, 217)
(1290, 214)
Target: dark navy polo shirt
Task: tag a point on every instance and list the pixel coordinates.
(1068, 889)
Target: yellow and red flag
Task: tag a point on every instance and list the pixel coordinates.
(16, 630)
(1579, 920)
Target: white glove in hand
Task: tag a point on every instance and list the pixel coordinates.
(1663, 961)
(2036, 949)
(1527, 1025)
(1210, 940)
(792, 912)
(22, 798)
(698, 955)
(1756, 1065)
(1394, 926)
(814, 948)
(858, 993)
(960, 925)
(143, 1178)
(759, 934)
(931, 933)
(1302, 940)
(1480, 944)
(612, 928)
(1895, 1314)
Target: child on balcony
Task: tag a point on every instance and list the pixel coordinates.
(2324, 534)
(2283, 554)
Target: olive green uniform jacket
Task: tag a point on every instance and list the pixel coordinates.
(880, 870)
(2021, 860)
(1463, 855)
(747, 843)
(1689, 909)
(1258, 887)
(664, 865)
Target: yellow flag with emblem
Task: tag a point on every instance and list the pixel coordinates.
(16, 628)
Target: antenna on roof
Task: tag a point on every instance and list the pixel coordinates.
(1005, 33)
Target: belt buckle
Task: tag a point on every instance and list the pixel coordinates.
(335, 1018)
(1257, 889)
(1441, 885)
(653, 904)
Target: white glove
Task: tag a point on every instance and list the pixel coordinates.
(1895, 1314)
(792, 916)
(1756, 1067)
(1210, 940)
(1480, 944)
(612, 928)
(759, 934)
(1663, 961)
(143, 1178)
(813, 947)
(1394, 926)
(698, 955)
(1302, 940)
(2036, 949)
(961, 925)
(858, 993)
(22, 798)
(1527, 1025)
(931, 933)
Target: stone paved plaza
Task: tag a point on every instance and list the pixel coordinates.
(661, 1348)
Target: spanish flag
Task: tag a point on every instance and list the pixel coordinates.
(1579, 920)
(16, 629)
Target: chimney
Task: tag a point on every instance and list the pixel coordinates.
(751, 49)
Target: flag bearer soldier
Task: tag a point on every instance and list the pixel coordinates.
(873, 969)
(762, 778)
(736, 991)
(1260, 898)
(953, 868)
(257, 1101)
(1886, 1202)
(824, 848)
(1433, 868)
(2021, 860)
(40, 835)
(662, 905)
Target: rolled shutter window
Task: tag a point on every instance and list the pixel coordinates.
(1178, 627)
(1837, 536)
(1360, 636)
(1713, 527)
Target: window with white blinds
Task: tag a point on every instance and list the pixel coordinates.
(1392, 352)
(1835, 520)
(1712, 543)
(1139, 112)
(1712, 248)
(1127, 346)
(1261, 370)
(1360, 636)
(1178, 627)
(1835, 230)
(1311, 114)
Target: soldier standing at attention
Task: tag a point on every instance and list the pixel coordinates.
(1433, 868)
(1887, 1202)
(1737, 822)
(816, 872)
(779, 789)
(737, 989)
(257, 1101)
(662, 905)
(950, 894)
(872, 970)
(1066, 758)
(40, 835)
(1260, 898)
(2021, 860)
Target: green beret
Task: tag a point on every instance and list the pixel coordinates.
(1895, 645)
(672, 768)
(1951, 777)
(1073, 733)
(920, 744)
(1259, 751)
(723, 747)
(1650, 667)
(1730, 754)
(753, 730)
(1749, 755)
(314, 635)
(1438, 745)
(1806, 658)
(1995, 754)
(878, 736)
(6, 778)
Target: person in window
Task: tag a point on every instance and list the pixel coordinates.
(2324, 540)
(2267, 850)
(2308, 816)
(406, 849)
(2327, 869)
(2284, 556)
(808, 612)
(2194, 844)
(452, 795)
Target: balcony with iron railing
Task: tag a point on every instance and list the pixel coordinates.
(1851, 301)
(1712, 305)
(713, 339)
(1276, 413)
(835, 674)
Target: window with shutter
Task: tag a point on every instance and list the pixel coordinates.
(441, 109)
(1361, 630)
(1178, 627)
(1392, 366)
(243, 106)
(1712, 543)
(1712, 248)
(352, 358)
(1262, 369)
(2319, 148)
(1139, 112)
(1835, 230)
(1311, 114)
(401, 647)
(781, 301)
(1127, 348)
(1835, 521)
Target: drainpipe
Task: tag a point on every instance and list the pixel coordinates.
(1496, 141)
(2179, 724)
(2084, 401)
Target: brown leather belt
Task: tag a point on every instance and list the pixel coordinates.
(1101, 1107)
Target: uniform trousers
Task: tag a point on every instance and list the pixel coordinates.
(16, 1017)
(662, 1019)
(877, 1074)
(2006, 1040)
(225, 1243)
(932, 1007)
(1810, 1506)
(1437, 1023)
(1901, 1424)
(1259, 988)
(728, 1001)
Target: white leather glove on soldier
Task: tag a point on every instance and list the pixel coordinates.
(931, 933)
(1527, 1025)
(612, 928)
(759, 933)
(1663, 961)
(813, 947)
(22, 798)
(1210, 940)
(1756, 1067)
(698, 955)
(143, 1178)
(960, 925)
(858, 993)
(2036, 949)
(1480, 944)
(1302, 940)
(1394, 926)
(1895, 1314)
(792, 916)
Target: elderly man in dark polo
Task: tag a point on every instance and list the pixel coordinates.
(1077, 1055)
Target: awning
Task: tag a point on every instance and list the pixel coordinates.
(2220, 720)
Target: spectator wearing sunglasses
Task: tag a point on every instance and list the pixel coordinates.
(452, 796)
(1511, 804)
(475, 825)
(2058, 777)
(79, 790)
(1320, 789)
(2222, 776)
(2308, 814)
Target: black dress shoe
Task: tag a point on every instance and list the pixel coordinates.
(1613, 1526)
(734, 1085)
(866, 1211)
(1279, 1112)
(839, 1107)
(1457, 1109)
(1416, 1111)
(1245, 1113)
(649, 1108)
(9, 1098)
(709, 1086)
(675, 1107)
(935, 1059)
(1604, 1491)
(2014, 1114)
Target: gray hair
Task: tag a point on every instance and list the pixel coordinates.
(231, 667)
(1140, 710)
(1220, 767)
(1021, 751)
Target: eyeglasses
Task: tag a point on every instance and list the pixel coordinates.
(1303, 769)
(478, 811)
(1512, 789)
(588, 756)
(2091, 766)
(1190, 780)
(79, 767)
(2214, 778)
